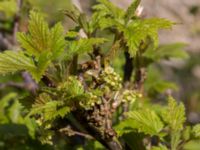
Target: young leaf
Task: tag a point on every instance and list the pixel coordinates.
(108, 8)
(110, 22)
(175, 139)
(4, 103)
(174, 115)
(196, 130)
(50, 109)
(138, 30)
(43, 43)
(41, 38)
(131, 9)
(57, 40)
(146, 121)
(11, 61)
(125, 126)
(82, 46)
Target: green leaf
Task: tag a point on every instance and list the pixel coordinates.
(72, 88)
(40, 38)
(175, 139)
(4, 103)
(175, 50)
(125, 126)
(108, 8)
(12, 61)
(130, 12)
(11, 114)
(196, 130)
(48, 108)
(57, 40)
(43, 62)
(146, 121)
(82, 46)
(73, 13)
(138, 31)
(43, 43)
(110, 22)
(174, 115)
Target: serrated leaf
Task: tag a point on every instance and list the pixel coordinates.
(146, 121)
(73, 13)
(43, 43)
(11, 61)
(57, 40)
(72, 88)
(138, 30)
(110, 22)
(40, 38)
(196, 130)
(109, 8)
(82, 46)
(174, 115)
(125, 126)
(130, 12)
(48, 108)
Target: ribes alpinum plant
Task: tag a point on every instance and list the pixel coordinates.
(84, 99)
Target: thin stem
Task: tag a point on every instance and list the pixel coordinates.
(69, 132)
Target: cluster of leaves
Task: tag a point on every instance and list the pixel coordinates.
(165, 123)
(72, 89)
(17, 131)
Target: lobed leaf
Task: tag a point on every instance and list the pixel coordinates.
(40, 38)
(174, 115)
(48, 108)
(82, 46)
(146, 121)
(12, 61)
(138, 30)
(108, 8)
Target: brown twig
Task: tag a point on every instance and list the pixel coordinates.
(71, 132)
(11, 84)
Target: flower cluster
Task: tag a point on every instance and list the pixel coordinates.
(90, 101)
(130, 96)
(111, 78)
